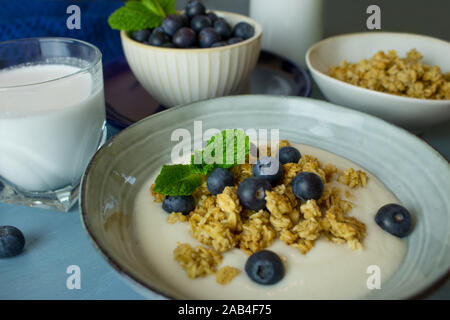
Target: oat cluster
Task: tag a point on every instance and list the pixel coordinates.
(388, 73)
(221, 223)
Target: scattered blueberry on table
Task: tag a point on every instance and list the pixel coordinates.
(195, 28)
(265, 267)
(12, 241)
(395, 219)
(307, 186)
(252, 193)
(183, 204)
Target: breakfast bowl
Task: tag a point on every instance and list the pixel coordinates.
(118, 176)
(177, 76)
(410, 113)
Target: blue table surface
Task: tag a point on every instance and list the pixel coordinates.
(57, 240)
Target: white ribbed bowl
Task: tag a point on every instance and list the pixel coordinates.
(181, 76)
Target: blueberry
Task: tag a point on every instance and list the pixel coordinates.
(158, 38)
(219, 44)
(12, 241)
(307, 185)
(184, 38)
(234, 40)
(395, 219)
(264, 267)
(289, 155)
(200, 22)
(268, 168)
(207, 37)
(212, 16)
(195, 8)
(218, 180)
(222, 28)
(172, 23)
(140, 35)
(243, 30)
(252, 193)
(183, 204)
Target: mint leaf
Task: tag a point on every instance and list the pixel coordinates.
(155, 7)
(177, 180)
(134, 16)
(168, 6)
(234, 146)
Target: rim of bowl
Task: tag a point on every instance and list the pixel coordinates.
(98, 58)
(258, 33)
(429, 289)
(370, 91)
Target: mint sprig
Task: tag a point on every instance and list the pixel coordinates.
(177, 180)
(181, 180)
(141, 14)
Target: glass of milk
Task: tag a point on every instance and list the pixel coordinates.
(52, 119)
(290, 26)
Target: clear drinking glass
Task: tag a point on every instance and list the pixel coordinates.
(52, 119)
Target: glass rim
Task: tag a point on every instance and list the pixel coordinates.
(91, 64)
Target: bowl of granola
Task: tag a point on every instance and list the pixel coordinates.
(331, 219)
(402, 78)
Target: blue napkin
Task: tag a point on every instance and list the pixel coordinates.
(47, 18)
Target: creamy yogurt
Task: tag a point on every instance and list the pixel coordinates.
(48, 129)
(328, 271)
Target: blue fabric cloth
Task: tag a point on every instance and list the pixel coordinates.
(47, 18)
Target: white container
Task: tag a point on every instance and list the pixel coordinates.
(181, 76)
(52, 117)
(290, 26)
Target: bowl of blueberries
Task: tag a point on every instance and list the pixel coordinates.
(194, 55)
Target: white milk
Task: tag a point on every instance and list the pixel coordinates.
(48, 131)
(328, 271)
(290, 27)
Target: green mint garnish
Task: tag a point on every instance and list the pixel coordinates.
(177, 180)
(141, 14)
(235, 146)
(182, 180)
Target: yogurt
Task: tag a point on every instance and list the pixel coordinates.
(48, 129)
(327, 271)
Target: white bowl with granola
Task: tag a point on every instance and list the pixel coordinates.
(328, 246)
(400, 77)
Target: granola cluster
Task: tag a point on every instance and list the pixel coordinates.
(388, 73)
(221, 223)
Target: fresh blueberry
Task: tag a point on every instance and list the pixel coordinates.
(158, 38)
(12, 241)
(243, 30)
(195, 8)
(307, 185)
(140, 35)
(185, 19)
(207, 37)
(268, 168)
(172, 23)
(183, 204)
(234, 40)
(395, 219)
(252, 193)
(289, 155)
(158, 29)
(200, 22)
(219, 44)
(184, 38)
(218, 180)
(222, 28)
(212, 16)
(264, 267)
